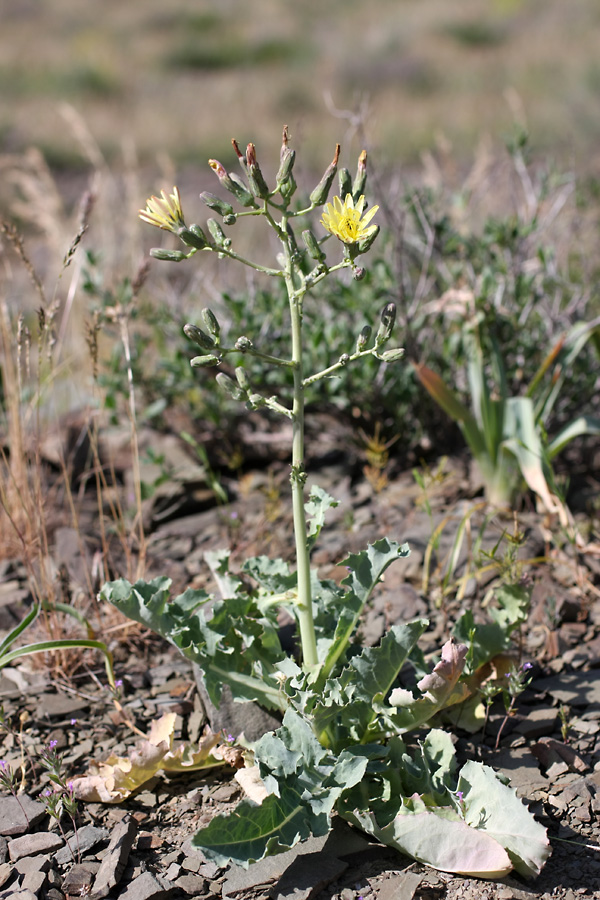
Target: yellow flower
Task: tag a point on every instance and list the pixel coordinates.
(165, 213)
(344, 219)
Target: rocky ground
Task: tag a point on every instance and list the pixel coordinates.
(140, 849)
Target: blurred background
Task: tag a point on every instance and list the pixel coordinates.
(181, 78)
(481, 119)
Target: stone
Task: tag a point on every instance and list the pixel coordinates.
(235, 718)
(6, 871)
(147, 887)
(173, 872)
(33, 881)
(573, 688)
(400, 887)
(11, 894)
(18, 816)
(57, 704)
(32, 864)
(191, 884)
(307, 875)
(78, 881)
(538, 722)
(86, 838)
(267, 871)
(114, 862)
(32, 844)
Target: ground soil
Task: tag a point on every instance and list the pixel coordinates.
(549, 747)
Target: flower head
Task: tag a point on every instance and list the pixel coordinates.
(164, 212)
(346, 221)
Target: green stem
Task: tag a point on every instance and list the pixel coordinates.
(298, 474)
(266, 357)
(338, 365)
(242, 259)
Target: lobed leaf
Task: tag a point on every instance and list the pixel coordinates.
(238, 645)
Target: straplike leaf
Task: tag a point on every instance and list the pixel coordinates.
(238, 645)
(578, 427)
(452, 405)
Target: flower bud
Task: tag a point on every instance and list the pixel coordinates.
(388, 317)
(243, 343)
(242, 379)
(312, 245)
(367, 242)
(392, 355)
(257, 183)
(238, 153)
(345, 183)
(358, 273)
(219, 236)
(199, 362)
(256, 400)
(170, 255)
(198, 336)
(241, 191)
(288, 188)
(288, 158)
(232, 183)
(193, 237)
(321, 192)
(229, 385)
(211, 322)
(363, 338)
(344, 359)
(215, 203)
(230, 219)
(360, 179)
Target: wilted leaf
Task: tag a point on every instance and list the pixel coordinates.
(117, 777)
(446, 673)
(252, 784)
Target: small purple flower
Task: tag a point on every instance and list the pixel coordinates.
(3, 765)
(234, 514)
(73, 721)
(47, 792)
(527, 666)
(460, 796)
(119, 683)
(52, 745)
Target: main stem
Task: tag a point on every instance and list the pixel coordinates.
(298, 475)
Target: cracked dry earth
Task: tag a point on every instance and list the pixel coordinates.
(141, 849)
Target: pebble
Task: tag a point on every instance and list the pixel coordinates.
(18, 816)
(191, 884)
(78, 880)
(146, 887)
(5, 873)
(86, 838)
(115, 860)
(32, 844)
